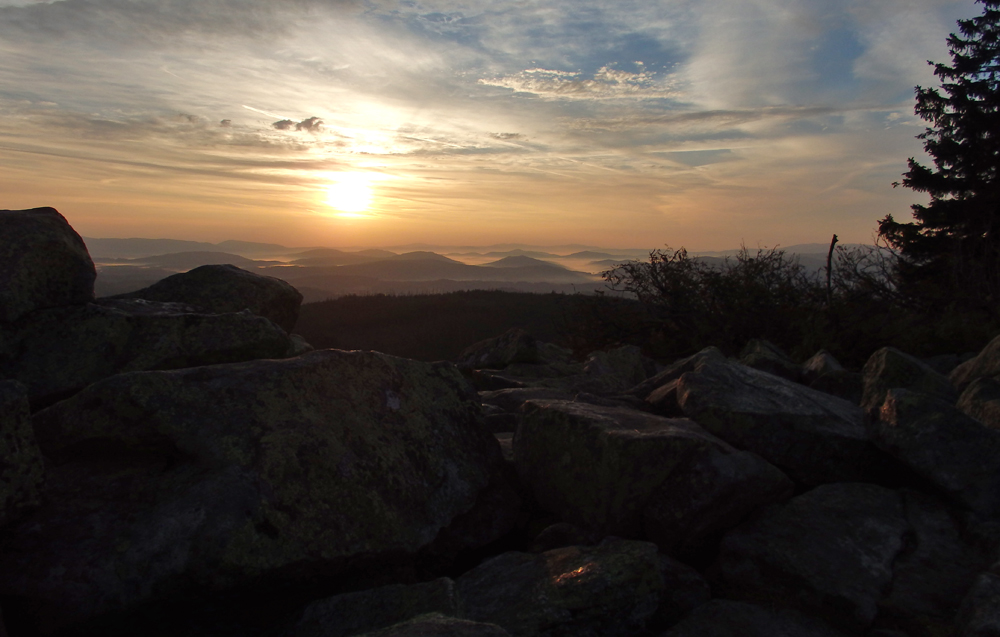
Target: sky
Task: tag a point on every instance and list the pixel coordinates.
(614, 123)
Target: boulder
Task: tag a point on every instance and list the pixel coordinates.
(768, 357)
(980, 612)
(606, 590)
(21, 466)
(438, 625)
(889, 368)
(58, 352)
(174, 486)
(684, 590)
(675, 371)
(844, 384)
(728, 618)
(828, 552)
(623, 472)
(822, 362)
(955, 453)
(619, 369)
(365, 611)
(811, 436)
(222, 289)
(513, 346)
(43, 263)
(981, 400)
(985, 363)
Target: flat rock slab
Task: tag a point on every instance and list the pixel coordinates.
(181, 483)
(623, 472)
(959, 455)
(21, 466)
(221, 289)
(606, 590)
(728, 618)
(828, 553)
(43, 263)
(812, 436)
(58, 352)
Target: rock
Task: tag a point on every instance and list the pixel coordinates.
(955, 453)
(510, 400)
(438, 625)
(366, 611)
(605, 590)
(728, 618)
(513, 346)
(43, 263)
(889, 368)
(811, 436)
(58, 352)
(21, 466)
(985, 363)
(222, 289)
(981, 400)
(849, 386)
(828, 552)
(299, 345)
(980, 612)
(684, 590)
(619, 369)
(822, 362)
(561, 534)
(675, 371)
(946, 363)
(622, 472)
(175, 486)
(768, 357)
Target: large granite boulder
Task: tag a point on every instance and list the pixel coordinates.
(728, 618)
(674, 371)
(619, 369)
(43, 263)
(986, 363)
(513, 346)
(828, 553)
(957, 454)
(623, 472)
(601, 591)
(822, 362)
(812, 436)
(221, 289)
(768, 357)
(889, 368)
(21, 466)
(979, 615)
(58, 352)
(173, 486)
(981, 400)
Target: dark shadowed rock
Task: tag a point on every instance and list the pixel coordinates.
(728, 618)
(606, 590)
(822, 362)
(221, 289)
(675, 371)
(176, 485)
(985, 363)
(981, 400)
(562, 534)
(684, 589)
(980, 612)
(889, 368)
(513, 346)
(623, 472)
(60, 351)
(812, 436)
(951, 450)
(828, 553)
(619, 369)
(768, 357)
(21, 467)
(43, 263)
(844, 384)
(438, 625)
(365, 611)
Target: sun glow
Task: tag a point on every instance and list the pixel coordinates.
(350, 193)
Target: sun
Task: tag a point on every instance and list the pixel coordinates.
(350, 193)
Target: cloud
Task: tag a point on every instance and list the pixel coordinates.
(285, 124)
(309, 125)
(607, 83)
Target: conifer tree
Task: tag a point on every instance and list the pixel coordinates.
(952, 248)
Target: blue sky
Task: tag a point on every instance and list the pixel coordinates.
(628, 124)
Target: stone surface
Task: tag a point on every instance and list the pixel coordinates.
(981, 400)
(222, 289)
(623, 472)
(957, 454)
(183, 483)
(768, 357)
(366, 611)
(21, 465)
(684, 589)
(822, 362)
(728, 618)
(889, 368)
(43, 263)
(513, 346)
(847, 385)
(619, 369)
(438, 625)
(828, 552)
(675, 371)
(606, 590)
(985, 363)
(811, 436)
(60, 351)
(980, 612)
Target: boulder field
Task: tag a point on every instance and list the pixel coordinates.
(175, 462)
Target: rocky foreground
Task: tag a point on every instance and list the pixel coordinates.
(175, 462)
